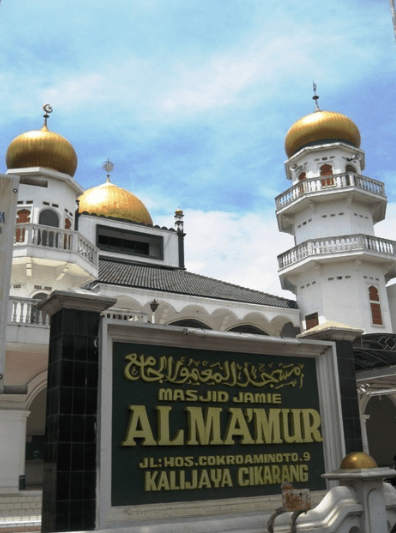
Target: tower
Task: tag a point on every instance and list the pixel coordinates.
(338, 268)
(48, 253)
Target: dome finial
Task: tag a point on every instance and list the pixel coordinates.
(108, 167)
(47, 109)
(315, 97)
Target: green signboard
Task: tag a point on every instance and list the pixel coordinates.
(190, 424)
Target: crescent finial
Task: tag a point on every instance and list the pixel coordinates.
(47, 109)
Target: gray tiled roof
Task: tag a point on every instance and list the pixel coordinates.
(182, 282)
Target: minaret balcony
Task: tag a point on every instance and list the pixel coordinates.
(332, 249)
(52, 247)
(338, 186)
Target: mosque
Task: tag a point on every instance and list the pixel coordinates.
(103, 241)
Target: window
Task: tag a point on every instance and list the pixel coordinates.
(350, 168)
(376, 315)
(326, 170)
(49, 218)
(311, 320)
(48, 238)
(302, 177)
(38, 317)
(129, 242)
(123, 245)
(67, 238)
(23, 217)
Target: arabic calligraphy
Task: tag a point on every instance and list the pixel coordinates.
(166, 369)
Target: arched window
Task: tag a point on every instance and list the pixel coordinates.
(327, 170)
(23, 217)
(49, 218)
(48, 238)
(302, 177)
(38, 317)
(376, 315)
(67, 238)
(350, 168)
(373, 293)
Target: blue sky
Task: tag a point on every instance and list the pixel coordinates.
(191, 100)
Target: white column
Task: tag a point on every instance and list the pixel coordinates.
(363, 421)
(12, 448)
(8, 201)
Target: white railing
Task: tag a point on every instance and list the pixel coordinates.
(326, 183)
(23, 311)
(334, 245)
(124, 314)
(60, 239)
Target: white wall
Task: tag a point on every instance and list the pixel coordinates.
(87, 227)
(339, 291)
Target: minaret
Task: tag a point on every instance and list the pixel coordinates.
(48, 253)
(338, 268)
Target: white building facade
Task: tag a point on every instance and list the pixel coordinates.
(339, 269)
(102, 240)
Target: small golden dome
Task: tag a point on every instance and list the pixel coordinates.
(321, 126)
(42, 148)
(357, 460)
(112, 201)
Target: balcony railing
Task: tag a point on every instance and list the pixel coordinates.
(23, 311)
(326, 183)
(337, 245)
(56, 238)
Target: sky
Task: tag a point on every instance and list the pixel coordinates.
(191, 100)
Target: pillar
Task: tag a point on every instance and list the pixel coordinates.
(70, 460)
(343, 337)
(12, 447)
(368, 484)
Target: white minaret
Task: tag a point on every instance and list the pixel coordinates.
(48, 252)
(338, 268)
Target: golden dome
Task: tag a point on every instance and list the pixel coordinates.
(357, 460)
(42, 148)
(321, 126)
(112, 201)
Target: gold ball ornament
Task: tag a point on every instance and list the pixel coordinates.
(42, 148)
(112, 201)
(319, 127)
(357, 460)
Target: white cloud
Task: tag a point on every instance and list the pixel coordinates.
(240, 75)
